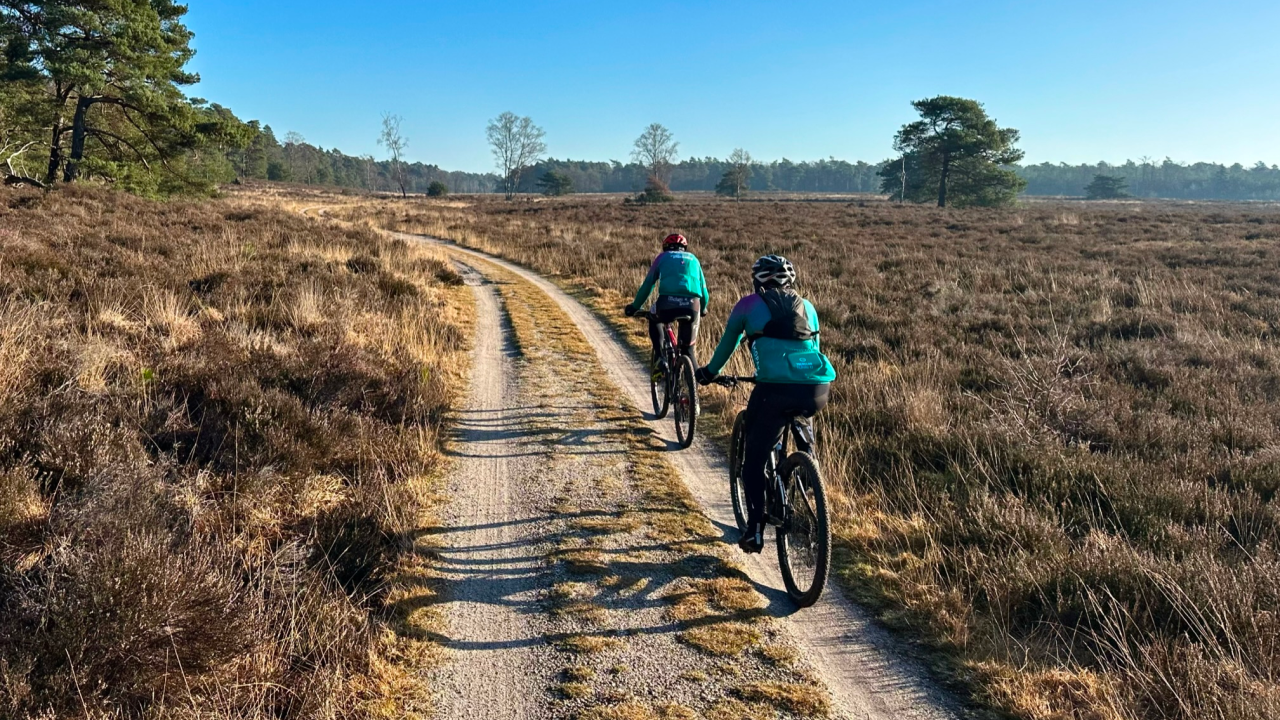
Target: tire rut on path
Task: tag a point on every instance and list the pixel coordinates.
(856, 659)
(489, 574)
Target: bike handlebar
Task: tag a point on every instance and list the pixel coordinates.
(733, 380)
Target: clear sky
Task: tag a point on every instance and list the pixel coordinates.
(1084, 80)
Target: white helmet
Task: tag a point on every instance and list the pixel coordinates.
(773, 271)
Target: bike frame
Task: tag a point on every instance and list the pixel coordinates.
(671, 352)
(802, 430)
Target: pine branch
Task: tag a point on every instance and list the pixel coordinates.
(103, 133)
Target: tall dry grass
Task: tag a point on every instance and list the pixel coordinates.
(1055, 441)
(218, 426)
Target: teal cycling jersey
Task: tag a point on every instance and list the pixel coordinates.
(678, 274)
(792, 362)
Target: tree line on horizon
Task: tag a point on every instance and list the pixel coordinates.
(1169, 179)
(301, 162)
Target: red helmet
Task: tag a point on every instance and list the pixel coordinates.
(675, 240)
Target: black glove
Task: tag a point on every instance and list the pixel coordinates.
(629, 310)
(704, 376)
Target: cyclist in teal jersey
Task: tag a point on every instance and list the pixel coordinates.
(682, 292)
(793, 377)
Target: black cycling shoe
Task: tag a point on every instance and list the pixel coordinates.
(752, 541)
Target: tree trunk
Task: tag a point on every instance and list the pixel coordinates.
(903, 197)
(55, 154)
(78, 129)
(942, 181)
(513, 184)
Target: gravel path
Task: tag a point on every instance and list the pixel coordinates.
(492, 574)
(855, 658)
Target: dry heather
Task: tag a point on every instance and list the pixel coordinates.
(1055, 443)
(218, 425)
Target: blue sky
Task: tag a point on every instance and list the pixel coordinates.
(1084, 80)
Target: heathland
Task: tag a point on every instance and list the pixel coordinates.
(1055, 441)
(219, 431)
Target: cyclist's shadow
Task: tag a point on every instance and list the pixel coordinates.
(668, 444)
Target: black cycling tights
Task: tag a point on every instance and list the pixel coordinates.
(686, 333)
(769, 414)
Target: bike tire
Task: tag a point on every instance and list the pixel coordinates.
(685, 401)
(737, 453)
(804, 543)
(658, 391)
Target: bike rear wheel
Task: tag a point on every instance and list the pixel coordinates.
(804, 541)
(658, 389)
(737, 452)
(685, 401)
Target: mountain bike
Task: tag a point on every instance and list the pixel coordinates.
(672, 386)
(795, 503)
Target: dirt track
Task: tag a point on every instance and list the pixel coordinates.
(854, 658)
(499, 662)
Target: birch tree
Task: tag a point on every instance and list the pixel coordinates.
(737, 178)
(655, 149)
(517, 144)
(395, 142)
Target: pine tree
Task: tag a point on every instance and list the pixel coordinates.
(553, 183)
(113, 71)
(1107, 187)
(956, 154)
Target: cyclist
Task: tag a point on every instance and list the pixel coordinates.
(682, 290)
(793, 377)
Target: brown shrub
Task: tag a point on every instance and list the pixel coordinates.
(212, 420)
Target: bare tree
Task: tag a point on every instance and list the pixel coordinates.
(517, 144)
(395, 143)
(655, 149)
(741, 161)
(369, 165)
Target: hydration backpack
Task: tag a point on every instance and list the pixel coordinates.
(787, 319)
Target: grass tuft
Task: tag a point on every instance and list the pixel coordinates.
(800, 700)
(724, 639)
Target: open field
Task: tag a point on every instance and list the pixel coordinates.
(220, 428)
(1055, 441)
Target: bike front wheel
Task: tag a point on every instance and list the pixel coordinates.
(737, 452)
(685, 400)
(658, 389)
(804, 540)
